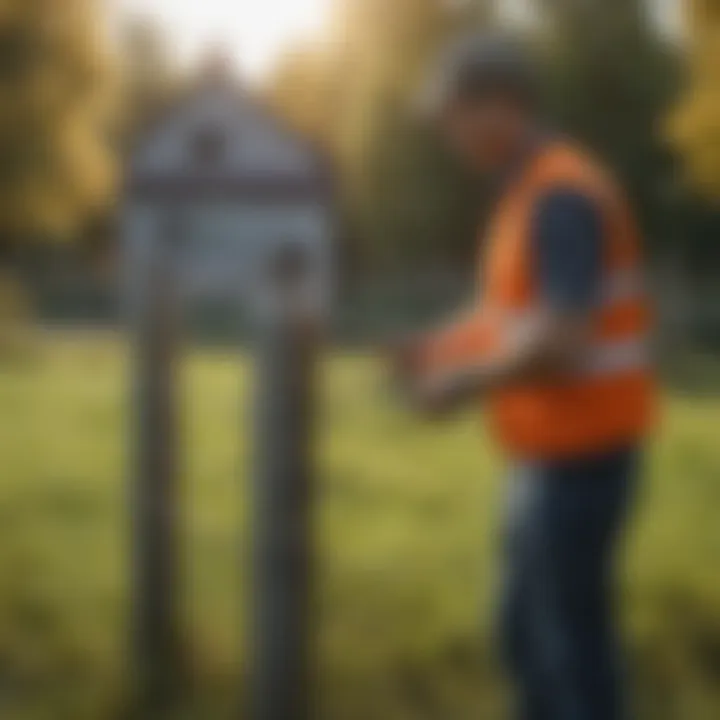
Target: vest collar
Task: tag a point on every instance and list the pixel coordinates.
(537, 141)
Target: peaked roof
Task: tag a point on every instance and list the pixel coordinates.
(314, 182)
(217, 74)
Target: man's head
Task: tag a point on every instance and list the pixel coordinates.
(483, 95)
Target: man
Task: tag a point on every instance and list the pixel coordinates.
(558, 347)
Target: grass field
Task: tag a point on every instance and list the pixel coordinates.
(409, 536)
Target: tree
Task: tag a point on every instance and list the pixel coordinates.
(695, 126)
(303, 88)
(55, 159)
(612, 79)
(149, 76)
(404, 198)
(610, 75)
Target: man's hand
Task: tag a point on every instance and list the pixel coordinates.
(438, 396)
(429, 394)
(547, 351)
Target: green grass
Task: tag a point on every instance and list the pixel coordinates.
(409, 525)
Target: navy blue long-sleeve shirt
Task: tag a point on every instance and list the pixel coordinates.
(567, 242)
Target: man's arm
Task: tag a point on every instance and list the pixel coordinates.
(567, 246)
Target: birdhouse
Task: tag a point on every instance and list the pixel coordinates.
(220, 180)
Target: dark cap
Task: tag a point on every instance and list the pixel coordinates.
(478, 64)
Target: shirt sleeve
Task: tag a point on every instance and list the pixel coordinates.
(567, 238)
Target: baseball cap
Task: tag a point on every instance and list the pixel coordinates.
(478, 64)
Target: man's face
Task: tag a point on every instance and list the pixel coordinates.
(486, 133)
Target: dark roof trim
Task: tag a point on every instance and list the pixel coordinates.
(256, 190)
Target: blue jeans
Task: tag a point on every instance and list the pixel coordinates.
(558, 618)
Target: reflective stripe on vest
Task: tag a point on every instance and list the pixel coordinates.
(611, 357)
(606, 356)
(615, 358)
(622, 286)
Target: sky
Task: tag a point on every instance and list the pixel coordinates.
(253, 31)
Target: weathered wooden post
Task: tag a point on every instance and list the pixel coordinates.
(156, 634)
(241, 179)
(281, 622)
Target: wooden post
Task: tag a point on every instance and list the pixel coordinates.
(282, 628)
(156, 634)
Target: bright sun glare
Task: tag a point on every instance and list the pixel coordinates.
(254, 31)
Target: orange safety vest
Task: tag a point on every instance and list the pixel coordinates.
(610, 399)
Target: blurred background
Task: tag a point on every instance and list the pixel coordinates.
(407, 515)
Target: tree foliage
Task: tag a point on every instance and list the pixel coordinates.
(355, 93)
(695, 126)
(55, 160)
(149, 76)
(612, 78)
(304, 88)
